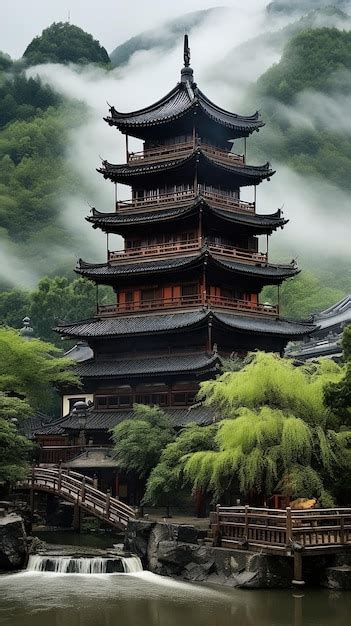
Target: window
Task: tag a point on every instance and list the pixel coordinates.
(161, 399)
(185, 398)
(147, 294)
(114, 402)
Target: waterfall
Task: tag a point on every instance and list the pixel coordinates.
(84, 565)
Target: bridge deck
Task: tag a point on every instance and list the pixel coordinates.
(79, 489)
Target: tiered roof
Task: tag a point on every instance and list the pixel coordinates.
(107, 272)
(160, 323)
(118, 222)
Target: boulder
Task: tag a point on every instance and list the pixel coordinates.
(13, 542)
(338, 577)
(137, 536)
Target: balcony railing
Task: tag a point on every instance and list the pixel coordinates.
(187, 301)
(217, 198)
(175, 247)
(56, 454)
(174, 151)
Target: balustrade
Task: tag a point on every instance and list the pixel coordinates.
(217, 198)
(187, 301)
(187, 246)
(172, 151)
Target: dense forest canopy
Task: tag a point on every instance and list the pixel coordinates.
(65, 43)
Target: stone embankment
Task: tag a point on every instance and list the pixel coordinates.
(181, 551)
(13, 542)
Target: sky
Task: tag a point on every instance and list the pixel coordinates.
(109, 21)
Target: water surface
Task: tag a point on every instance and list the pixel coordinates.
(143, 599)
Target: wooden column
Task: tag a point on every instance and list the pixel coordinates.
(298, 580)
(97, 298)
(77, 518)
(245, 149)
(127, 148)
(209, 335)
(31, 494)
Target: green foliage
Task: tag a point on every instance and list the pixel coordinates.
(277, 383)
(58, 299)
(139, 442)
(29, 368)
(277, 435)
(338, 394)
(65, 43)
(166, 477)
(23, 98)
(304, 295)
(315, 62)
(14, 452)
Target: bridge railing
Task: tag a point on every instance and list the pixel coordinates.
(282, 529)
(80, 490)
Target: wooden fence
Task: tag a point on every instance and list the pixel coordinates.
(283, 530)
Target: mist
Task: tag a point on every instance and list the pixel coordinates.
(225, 74)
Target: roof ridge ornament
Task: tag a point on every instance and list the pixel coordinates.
(187, 75)
(186, 51)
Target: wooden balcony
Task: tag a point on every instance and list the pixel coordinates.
(180, 150)
(217, 198)
(178, 247)
(185, 302)
(56, 454)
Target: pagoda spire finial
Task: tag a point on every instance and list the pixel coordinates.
(186, 51)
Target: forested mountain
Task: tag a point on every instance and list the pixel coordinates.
(293, 7)
(65, 43)
(163, 38)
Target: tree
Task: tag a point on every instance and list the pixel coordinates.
(29, 368)
(15, 451)
(166, 477)
(338, 394)
(278, 432)
(140, 441)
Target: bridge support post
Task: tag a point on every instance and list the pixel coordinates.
(31, 494)
(77, 518)
(298, 579)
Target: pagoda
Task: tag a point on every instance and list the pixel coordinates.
(187, 282)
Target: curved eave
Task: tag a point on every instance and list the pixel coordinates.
(260, 223)
(125, 173)
(146, 324)
(152, 366)
(182, 99)
(270, 274)
(131, 325)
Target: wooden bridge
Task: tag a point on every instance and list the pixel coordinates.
(79, 489)
(289, 532)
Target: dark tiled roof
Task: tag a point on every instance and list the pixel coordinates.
(180, 100)
(337, 315)
(144, 267)
(29, 425)
(274, 272)
(105, 420)
(168, 322)
(249, 174)
(264, 324)
(150, 366)
(133, 324)
(114, 220)
(257, 270)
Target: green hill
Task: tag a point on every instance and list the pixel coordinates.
(293, 7)
(65, 43)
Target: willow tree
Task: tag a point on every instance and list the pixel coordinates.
(278, 433)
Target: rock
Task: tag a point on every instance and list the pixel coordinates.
(137, 536)
(337, 578)
(13, 542)
(185, 533)
(158, 534)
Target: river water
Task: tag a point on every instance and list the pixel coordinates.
(144, 599)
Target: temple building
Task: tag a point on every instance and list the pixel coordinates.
(325, 340)
(188, 279)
